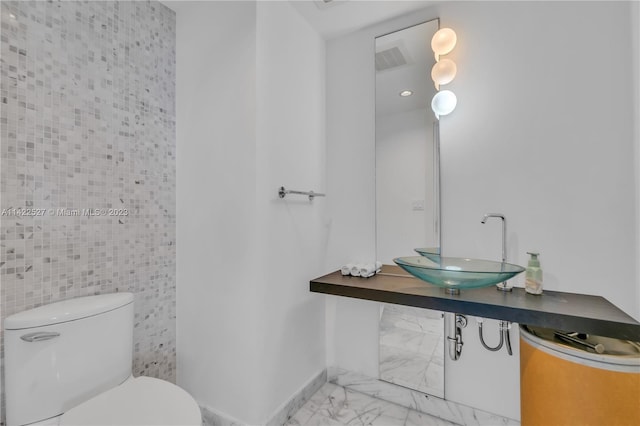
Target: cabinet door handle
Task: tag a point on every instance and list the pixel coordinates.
(39, 336)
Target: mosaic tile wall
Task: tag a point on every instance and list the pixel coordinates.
(88, 162)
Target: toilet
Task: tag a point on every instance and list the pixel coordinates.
(69, 363)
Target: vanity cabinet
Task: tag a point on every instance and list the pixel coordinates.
(553, 309)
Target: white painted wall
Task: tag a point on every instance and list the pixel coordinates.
(352, 326)
(216, 204)
(550, 131)
(635, 54)
(543, 133)
(250, 118)
(291, 151)
(547, 142)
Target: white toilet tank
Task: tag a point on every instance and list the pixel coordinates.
(60, 355)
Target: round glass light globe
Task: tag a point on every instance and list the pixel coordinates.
(444, 102)
(443, 41)
(444, 72)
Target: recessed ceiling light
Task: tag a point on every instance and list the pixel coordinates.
(406, 93)
(12, 16)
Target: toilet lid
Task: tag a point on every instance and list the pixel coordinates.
(139, 401)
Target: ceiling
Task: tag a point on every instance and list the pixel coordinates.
(341, 17)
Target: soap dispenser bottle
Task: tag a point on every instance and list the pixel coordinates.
(533, 276)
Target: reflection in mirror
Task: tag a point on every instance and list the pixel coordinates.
(407, 200)
(412, 348)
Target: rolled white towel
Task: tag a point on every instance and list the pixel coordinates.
(355, 270)
(365, 269)
(346, 269)
(368, 270)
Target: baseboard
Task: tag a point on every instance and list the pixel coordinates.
(434, 406)
(281, 415)
(289, 408)
(212, 417)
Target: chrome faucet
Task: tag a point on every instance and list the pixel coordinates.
(503, 286)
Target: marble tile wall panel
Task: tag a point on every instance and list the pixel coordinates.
(411, 348)
(87, 161)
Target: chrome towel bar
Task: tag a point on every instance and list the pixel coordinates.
(282, 192)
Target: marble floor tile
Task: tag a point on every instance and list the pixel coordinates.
(416, 418)
(334, 405)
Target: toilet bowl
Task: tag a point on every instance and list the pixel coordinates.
(138, 401)
(69, 363)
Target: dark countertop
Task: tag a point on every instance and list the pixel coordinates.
(552, 309)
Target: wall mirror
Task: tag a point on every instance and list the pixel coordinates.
(411, 340)
(407, 195)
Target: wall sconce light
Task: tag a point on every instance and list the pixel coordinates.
(444, 102)
(444, 71)
(443, 42)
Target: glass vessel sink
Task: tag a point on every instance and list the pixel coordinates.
(455, 273)
(432, 253)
